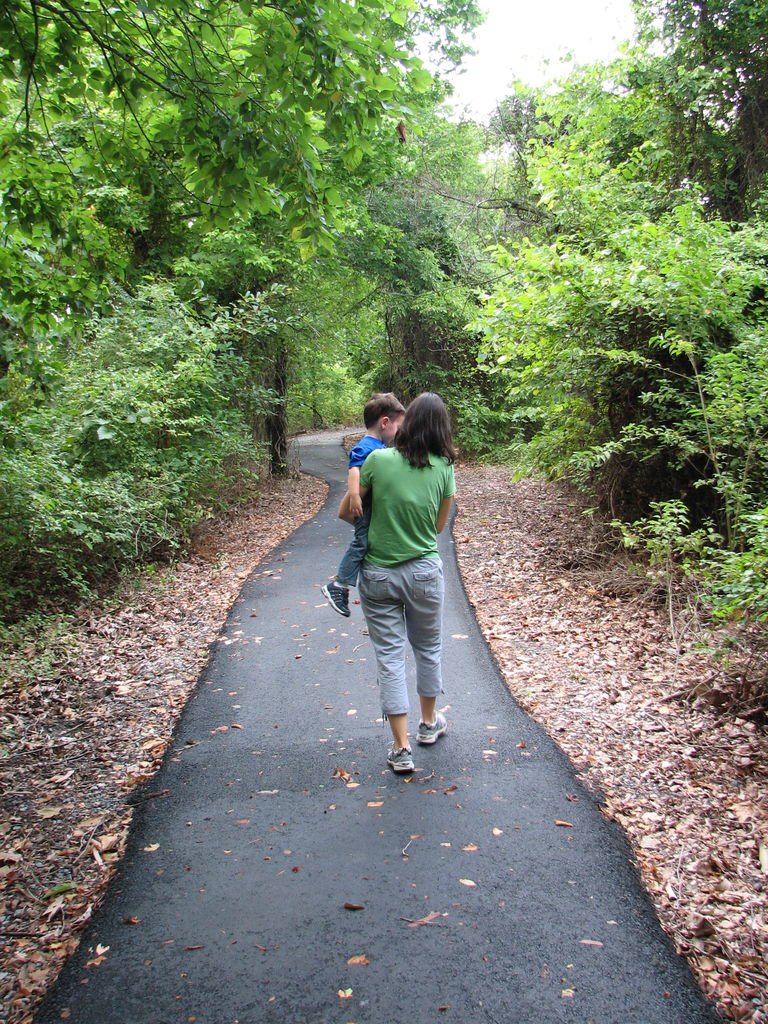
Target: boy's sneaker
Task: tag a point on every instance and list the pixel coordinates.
(400, 760)
(429, 733)
(338, 597)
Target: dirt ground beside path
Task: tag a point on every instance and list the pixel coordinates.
(596, 669)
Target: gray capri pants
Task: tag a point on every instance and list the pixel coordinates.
(404, 602)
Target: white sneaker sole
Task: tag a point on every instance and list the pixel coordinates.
(428, 740)
(327, 595)
(400, 769)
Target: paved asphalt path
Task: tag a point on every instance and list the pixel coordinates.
(476, 906)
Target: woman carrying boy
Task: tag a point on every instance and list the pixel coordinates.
(401, 579)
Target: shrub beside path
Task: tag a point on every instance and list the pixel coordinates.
(276, 869)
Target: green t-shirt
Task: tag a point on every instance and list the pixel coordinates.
(406, 501)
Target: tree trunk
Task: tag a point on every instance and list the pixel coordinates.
(277, 421)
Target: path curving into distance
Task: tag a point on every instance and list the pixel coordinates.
(475, 905)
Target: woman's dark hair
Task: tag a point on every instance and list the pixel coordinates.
(425, 430)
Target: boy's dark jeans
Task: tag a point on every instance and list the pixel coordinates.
(349, 567)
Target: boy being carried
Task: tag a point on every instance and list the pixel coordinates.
(382, 415)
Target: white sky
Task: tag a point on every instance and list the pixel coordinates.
(529, 39)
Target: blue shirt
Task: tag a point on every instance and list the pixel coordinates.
(363, 449)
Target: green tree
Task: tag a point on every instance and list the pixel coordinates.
(712, 83)
(420, 241)
(247, 111)
(608, 322)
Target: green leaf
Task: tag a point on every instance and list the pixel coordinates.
(59, 890)
(421, 79)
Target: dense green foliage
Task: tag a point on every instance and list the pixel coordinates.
(169, 174)
(629, 324)
(230, 110)
(224, 222)
(147, 424)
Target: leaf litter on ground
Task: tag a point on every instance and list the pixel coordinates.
(589, 655)
(580, 649)
(95, 722)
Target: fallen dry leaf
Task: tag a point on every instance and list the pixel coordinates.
(360, 958)
(109, 841)
(49, 812)
(429, 919)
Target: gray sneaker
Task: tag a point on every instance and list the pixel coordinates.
(338, 597)
(428, 734)
(400, 760)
